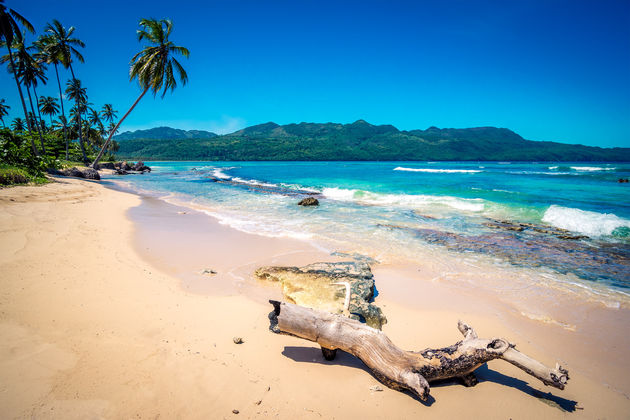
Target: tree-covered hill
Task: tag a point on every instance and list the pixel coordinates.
(164, 133)
(363, 141)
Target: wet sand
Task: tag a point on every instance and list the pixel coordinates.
(105, 313)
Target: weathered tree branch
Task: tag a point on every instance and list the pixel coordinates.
(399, 369)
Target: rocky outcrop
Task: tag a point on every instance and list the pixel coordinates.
(87, 173)
(104, 165)
(326, 285)
(141, 167)
(90, 173)
(309, 201)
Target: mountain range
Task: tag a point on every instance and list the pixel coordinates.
(164, 133)
(357, 141)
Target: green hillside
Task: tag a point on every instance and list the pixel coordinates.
(363, 141)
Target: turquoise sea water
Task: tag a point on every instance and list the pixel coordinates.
(563, 218)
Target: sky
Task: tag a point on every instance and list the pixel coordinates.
(556, 70)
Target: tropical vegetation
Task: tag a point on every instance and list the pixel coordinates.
(48, 134)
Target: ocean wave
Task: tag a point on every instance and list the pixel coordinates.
(592, 168)
(403, 200)
(589, 223)
(218, 173)
(445, 171)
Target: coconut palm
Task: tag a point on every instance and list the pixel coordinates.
(48, 106)
(10, 22)
(49, 53)
(108, 113)
(18, 124)
(31, 72)
(4, 111)
(75, 91)
(61, 48)
(153, 66)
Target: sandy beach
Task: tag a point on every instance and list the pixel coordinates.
(104, 313)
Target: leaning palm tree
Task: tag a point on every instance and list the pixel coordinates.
(4, 111)
(153, 66)
(75, 91)
(48, 106)
(10, 22)
(60, 48)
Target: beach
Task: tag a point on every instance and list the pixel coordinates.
(106, 313)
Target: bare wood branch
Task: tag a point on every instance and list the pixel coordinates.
(399, 369)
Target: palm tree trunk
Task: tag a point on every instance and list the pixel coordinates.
(85, 160)
(17, 82)
(41, 139)
(111, 133)
(63, 114)
(40, 126)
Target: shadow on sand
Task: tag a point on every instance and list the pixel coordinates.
(484, 374)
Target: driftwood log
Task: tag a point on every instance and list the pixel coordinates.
(400, 369)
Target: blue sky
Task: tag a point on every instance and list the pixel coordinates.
(549, 70)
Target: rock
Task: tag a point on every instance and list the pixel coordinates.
(121, 172)
(237, 340)
(376, 388)
(235, 411)
(309, 201)
(76, 172)
(140, 167)
(53, 171)
(90, 173)
(125, 166)
(104, 165)
(322, 286)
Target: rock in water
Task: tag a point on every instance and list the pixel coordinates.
(322, 286)
(309, 201)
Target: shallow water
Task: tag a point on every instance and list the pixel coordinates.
(568, 222)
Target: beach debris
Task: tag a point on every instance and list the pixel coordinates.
(406, 370)
(376, 388)
(309, 201)
(209, 272)
(235, 411)
(337, 287)
(238, 340)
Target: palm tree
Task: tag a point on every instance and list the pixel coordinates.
(10, 22)
(60, 48)
(75, 91)
(3, 111)
(31, 72)
(18, 124)
(153, 66)
(48, 106)
(108, 113)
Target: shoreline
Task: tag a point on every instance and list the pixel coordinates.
(91, 328)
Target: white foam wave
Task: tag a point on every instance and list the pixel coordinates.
(552, 168)
(589, 223)
(403, 200)
(437, 171)
(253, 182)
(591, 168)
(218, 173)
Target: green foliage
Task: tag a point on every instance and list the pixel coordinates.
(11, 175)
(16, 151)
(363, 141)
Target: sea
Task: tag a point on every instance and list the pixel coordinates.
(567, 222)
